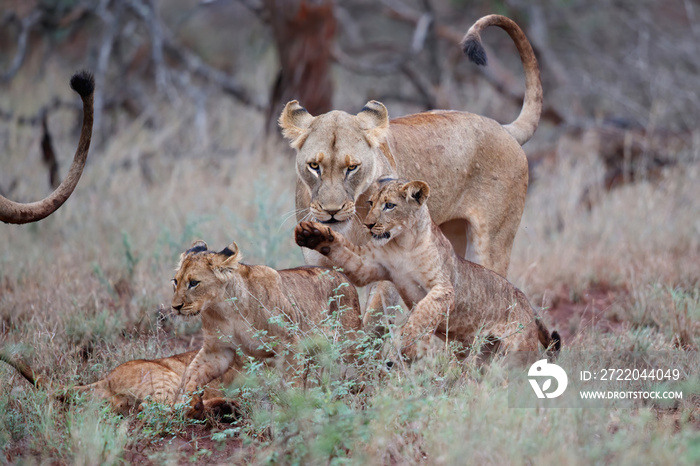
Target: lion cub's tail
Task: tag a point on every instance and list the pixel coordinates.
(26, 372)
(525, 125)
(551, 342)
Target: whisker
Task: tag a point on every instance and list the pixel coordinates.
(292, 214)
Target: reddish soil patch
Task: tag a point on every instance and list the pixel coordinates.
(186, 446)
(572, 314)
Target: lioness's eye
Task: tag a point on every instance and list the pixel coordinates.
(313, 165)
(352, 167)
(389, 206)
(193, 283)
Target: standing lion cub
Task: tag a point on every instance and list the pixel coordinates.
(256, 311)
(452, 298)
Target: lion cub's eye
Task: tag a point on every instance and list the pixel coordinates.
(193, 283)
(370, 203)
(313, 166)
(174, 283)
(389, 206)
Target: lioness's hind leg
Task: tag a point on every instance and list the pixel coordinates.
(492, 246)
(455, 230)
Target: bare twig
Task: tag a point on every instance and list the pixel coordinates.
(434, 70)
(255, 6)
(363, 67)
(112, 20)
(196, 66)
(424, 88)
(36, 119)
(147, 12)
(25, 26)
(49, 154)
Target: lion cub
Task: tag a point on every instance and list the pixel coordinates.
(254, 310)
(129, 384)
(451, 297)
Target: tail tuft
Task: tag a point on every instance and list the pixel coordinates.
(472, 48)
(83, 83)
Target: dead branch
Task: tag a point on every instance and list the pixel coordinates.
(49, 154)
(194, 65)
(434, 70)
(112, 21)
(255, 6)
(424, 88)
(147, 13)
(38, 117)
(25, 26)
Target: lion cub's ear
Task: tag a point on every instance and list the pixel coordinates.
(374, 119)
(295, 121)
(224, 262)
(230, 255)
(419, 191)
(198, 245)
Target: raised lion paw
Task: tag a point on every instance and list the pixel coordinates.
(315, 236)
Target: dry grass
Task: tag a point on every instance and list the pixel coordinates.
(80, 293)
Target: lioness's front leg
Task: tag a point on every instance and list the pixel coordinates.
(209, 364)
(354, 260)
(424, 319)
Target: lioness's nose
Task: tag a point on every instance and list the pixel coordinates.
(178, 307)
(332, 212)
(370, 225)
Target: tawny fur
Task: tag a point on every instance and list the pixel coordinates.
(476, 167)
(238, 301)
(452, 298)
(129, 384)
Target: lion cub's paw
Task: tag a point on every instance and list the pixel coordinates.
(313, 235)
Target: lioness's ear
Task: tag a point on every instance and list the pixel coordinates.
(295, 122)
(374, 118)
(419, 191)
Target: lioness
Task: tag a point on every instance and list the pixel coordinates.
(253, 309)
(452, 297)
(476, 167)
(129, 384)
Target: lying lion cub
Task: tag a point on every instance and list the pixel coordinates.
(452, 298)
(255, 310)
(129, 384)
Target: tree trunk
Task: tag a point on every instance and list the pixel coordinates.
(304, 31)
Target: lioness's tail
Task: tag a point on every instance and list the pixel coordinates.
(551, 342)
(525, 125)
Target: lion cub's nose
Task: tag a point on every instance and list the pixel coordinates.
(370, 225)
(178, 307)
